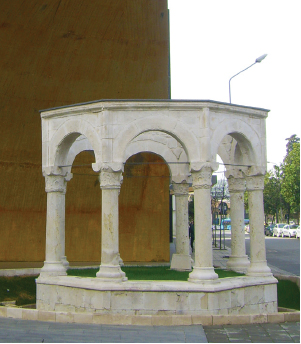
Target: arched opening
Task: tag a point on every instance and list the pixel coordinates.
(236, 151)
(83, 213)
(144, 209)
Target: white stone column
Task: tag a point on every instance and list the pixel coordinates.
(258, 265)
(238, 261)
(203, 264)
(109, 270)
(181, 260)
(55, 263)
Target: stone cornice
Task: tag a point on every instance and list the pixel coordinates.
(131, 105)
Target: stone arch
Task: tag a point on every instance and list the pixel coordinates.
(246, 147)
(165, 124)
(79, 145)
(176, 159)
(60, 151)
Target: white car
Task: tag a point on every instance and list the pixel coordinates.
(298, 232)
(289, 231)
(277, 230)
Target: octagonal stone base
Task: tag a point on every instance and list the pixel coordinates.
(228, 296)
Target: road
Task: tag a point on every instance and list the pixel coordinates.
(283, 253)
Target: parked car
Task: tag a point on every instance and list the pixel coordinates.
(298, 232)
(277, 230)
(289, 231)
(268, 230)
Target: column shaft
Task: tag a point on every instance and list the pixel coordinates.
(181, 260)
(203, 267)
(109, 269)
(55, 226)
(238, 260)
(258, 266)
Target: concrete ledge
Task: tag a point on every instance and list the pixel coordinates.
(20, 272)
(147, 320)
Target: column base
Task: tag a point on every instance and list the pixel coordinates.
(238, 263)
(120, 260)
(199, 274)
(53, 269)
(111, 273)
(65, 262)
(259, 268)
(181, 262)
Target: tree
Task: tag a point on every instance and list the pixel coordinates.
(290, 189)
(291, 140)
(271, 194)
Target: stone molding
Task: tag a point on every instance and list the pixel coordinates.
(255, 183)
(283, 315)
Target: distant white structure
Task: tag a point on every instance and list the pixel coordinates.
(188, 135)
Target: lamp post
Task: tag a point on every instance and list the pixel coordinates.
(258, 60)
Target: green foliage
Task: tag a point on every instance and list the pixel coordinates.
(271, 194)
(21, 289)
(291, 140)
(290, 189)
(191, 209)
(246, 201)
(282, 184)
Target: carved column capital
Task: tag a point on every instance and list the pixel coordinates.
(181, 189)
(255, 183)
(202, 179)
(236, 185)
(57, 183)
(110, 179)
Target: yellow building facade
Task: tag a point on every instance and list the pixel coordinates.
(72, 51)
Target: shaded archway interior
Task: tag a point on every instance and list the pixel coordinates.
(143, 211)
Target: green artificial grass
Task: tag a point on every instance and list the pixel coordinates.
(288, 294)
(23, 289)
(156, 273)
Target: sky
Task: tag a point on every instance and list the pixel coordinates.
(212, 40)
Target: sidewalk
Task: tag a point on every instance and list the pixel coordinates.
(28, 331)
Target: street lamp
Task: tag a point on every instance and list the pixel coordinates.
(258, 60)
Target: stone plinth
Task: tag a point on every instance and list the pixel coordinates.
(229, 296)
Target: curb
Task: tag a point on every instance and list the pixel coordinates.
(284, 315)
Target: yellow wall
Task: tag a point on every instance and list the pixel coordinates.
(55, 53)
